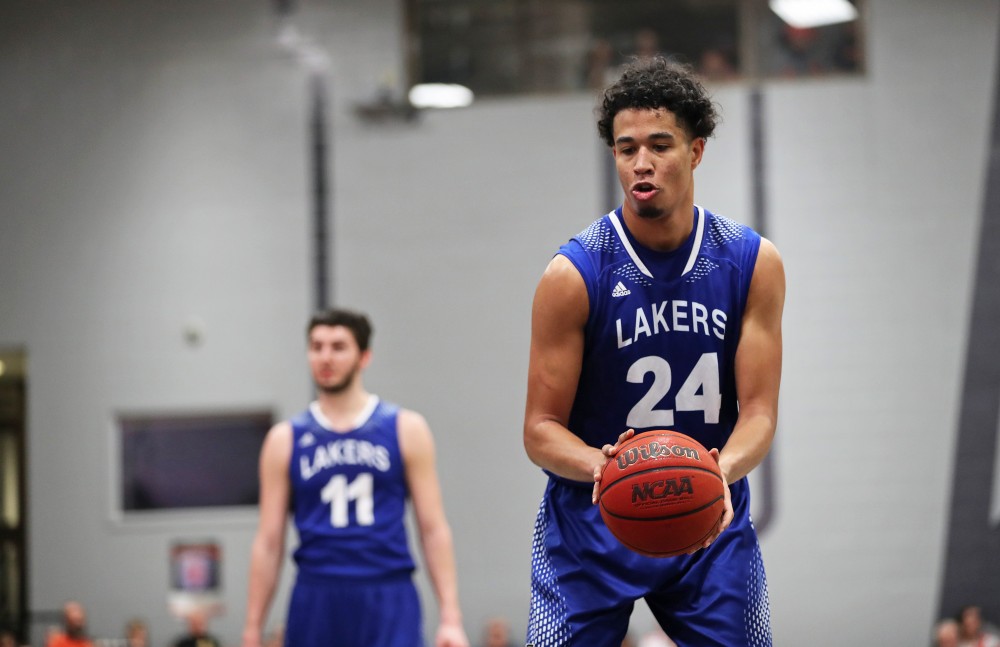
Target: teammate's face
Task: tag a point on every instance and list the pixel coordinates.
(335, 358)
(656, 161)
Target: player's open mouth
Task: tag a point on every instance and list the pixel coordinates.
(643, 190)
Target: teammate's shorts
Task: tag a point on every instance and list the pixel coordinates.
(584, 582)
(345, 613)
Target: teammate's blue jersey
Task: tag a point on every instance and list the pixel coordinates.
(662, 332)
(349, 496)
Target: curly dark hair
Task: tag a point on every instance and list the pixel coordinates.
(656, 83)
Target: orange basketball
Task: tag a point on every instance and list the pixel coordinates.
(661, 494)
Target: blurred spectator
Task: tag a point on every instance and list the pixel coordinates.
(946, 633)
(717, 65)
(74, 628)
(971, 630)
(7, 638)
(496, 633)
(647, 43)
(197, 635)
(600, 64)
(799, 51)
(136, 633)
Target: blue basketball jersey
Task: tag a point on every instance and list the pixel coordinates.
(349, 496)
(659, 346)
(662, 331)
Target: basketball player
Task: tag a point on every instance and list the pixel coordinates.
(659, 315)
(344, 469)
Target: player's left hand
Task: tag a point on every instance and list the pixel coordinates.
(609, 452)
(451, 635)
(727, 512)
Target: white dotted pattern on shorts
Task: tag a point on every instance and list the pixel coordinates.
(547, 625)
(757, 617)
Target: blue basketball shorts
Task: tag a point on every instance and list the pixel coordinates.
(584, 582)
(325, 612)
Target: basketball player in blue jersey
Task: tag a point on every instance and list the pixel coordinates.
(659, 315)
(344, 469)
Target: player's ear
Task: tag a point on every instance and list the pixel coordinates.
(697, 150)
(366, 358)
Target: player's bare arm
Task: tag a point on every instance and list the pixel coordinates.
(558, 316)
(417, 447)
(268, 547)
(758, 367)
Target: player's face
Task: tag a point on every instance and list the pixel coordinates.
(335, 358)
(656, 161)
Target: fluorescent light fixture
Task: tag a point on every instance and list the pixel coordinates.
(813, 13)
(440, 95)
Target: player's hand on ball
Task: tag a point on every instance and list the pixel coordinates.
(727, 512)
(609, 452)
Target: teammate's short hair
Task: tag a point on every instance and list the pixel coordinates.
(656, 83)
(356, 322)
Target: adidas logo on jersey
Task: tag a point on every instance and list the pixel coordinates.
(620, 290)
(307, 440)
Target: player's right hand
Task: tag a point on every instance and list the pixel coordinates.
(251, 639)
(609, 452)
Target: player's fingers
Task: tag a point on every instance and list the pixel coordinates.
(628, 433)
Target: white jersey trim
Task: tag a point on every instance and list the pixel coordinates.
(699, 235)
(359, 421)
(628, 246)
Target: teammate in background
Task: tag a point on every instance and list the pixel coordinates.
(344, 469)
(659, 315)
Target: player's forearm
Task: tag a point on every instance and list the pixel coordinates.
(439, 555)
(748, 444)
(265, 566)
(555, 448)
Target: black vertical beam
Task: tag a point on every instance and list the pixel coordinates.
(972, 556)
(319, 132)
(764, 494)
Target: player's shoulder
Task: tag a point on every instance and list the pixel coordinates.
(411, 421)
(282, 429)
(415, 438)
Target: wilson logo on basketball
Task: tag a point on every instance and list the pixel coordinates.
(653, 449)
(662, 489)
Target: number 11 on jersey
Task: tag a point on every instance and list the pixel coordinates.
(338, 493)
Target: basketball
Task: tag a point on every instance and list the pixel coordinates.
(662, 493)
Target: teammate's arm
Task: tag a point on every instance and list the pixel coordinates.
(268, 549)
(758, 367)
(417, 447)
(558, 316)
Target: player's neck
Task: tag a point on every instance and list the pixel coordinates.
(342, 409)
(664, 233)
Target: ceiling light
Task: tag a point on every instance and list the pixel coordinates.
(813, 13)
(440, 95)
